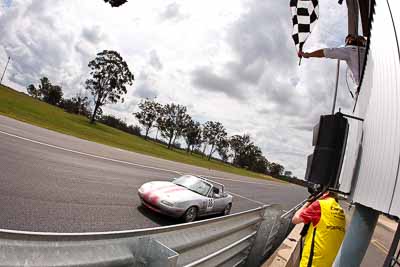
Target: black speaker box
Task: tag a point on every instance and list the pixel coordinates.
(329, 138)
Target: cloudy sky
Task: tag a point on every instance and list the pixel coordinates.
(228, 60)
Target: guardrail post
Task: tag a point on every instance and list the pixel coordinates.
(270, 215)
(151, 252)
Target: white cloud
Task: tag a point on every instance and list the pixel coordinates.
(172, 12)
(154, 60)
(227, 60)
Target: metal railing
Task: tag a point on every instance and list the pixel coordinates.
(242, 239)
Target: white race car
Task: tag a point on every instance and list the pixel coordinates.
(188, 197)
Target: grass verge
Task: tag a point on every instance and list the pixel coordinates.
(24, 108)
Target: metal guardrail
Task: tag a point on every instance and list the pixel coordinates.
(280, 230)
(242, 239)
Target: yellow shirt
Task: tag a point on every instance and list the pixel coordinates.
(329, 235)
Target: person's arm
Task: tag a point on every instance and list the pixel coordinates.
(316, 53)
(296, 218)
(342, 53)
(309, 213)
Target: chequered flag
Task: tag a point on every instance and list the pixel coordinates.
(305, 13)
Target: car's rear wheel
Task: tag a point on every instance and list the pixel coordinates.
(227, 209)
(190, 214)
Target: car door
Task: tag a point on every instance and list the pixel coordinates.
(210, 205)
(219, 202)
(207, 205)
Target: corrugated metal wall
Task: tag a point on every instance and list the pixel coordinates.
(351, 155)
(375, 182)
(395, 9)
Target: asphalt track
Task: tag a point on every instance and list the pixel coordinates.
(51, 182)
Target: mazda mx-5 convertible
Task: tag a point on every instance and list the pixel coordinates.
(187, 197)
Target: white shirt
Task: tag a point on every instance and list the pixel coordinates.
(354, 57)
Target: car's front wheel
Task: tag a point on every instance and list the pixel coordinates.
(190, 214)
(227, 209)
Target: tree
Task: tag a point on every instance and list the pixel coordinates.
(276, 169)
(253, 154)
(35, 93)
(134, 129)
(250, 156)
(247, 155)
(117, 123)
(288, 174)
(182, 122)
(203, 140)
(260, 165)
(192, 135)
(110, 75)
(116, 3)
(53, 96)
(149, 113)
(77, 105)
(223, 149)
(238, 144)
(174, 120)
(159, 121)
(213, 132)
(44, 86)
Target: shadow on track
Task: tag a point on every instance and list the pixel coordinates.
(164, 220)
(159, 219)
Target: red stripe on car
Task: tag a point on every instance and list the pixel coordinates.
(150, 192)
(153, 197)
(154, 200)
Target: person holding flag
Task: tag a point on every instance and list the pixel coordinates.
(305, 14)
(353, 53)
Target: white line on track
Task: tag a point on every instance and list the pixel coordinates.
(89, 155)
(247, 182)
(126, 162)
(129, 163)
(252, 200)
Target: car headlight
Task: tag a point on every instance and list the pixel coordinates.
(167, 203)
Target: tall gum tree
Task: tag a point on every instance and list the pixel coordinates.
(150, 112)
(214, 132)
(174, 120)
(110, 75)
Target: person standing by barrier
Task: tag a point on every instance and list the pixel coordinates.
(326, 230)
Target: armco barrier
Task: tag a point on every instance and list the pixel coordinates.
(242, 239)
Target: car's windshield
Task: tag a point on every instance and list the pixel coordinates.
(193, 183)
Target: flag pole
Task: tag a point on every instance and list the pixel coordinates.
(336, 87)
(299, 54)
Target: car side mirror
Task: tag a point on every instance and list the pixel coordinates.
(217, 196)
